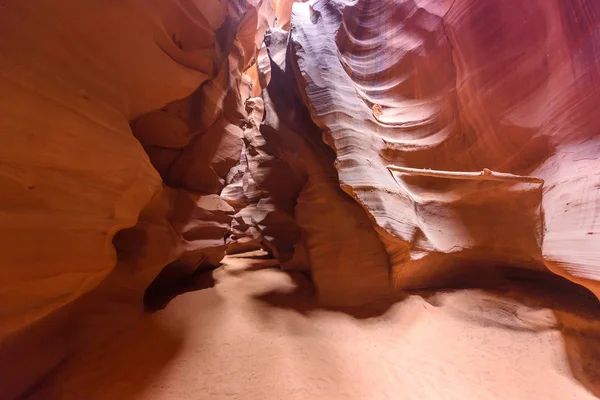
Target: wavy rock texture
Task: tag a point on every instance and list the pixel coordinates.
(347, 261)
(72, 175)
(377, 144)
(264, 188)
(461, 87)
(289, 197)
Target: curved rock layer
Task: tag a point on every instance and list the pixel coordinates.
(377, 144)
(72, 175)
(347, 261)
(73, 178)
(461, 87)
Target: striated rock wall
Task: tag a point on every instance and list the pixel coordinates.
(461, 87)
(347, 261)
(86, 223)
(375, 144)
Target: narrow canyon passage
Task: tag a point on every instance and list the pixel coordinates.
(260, 334)
(299, 199)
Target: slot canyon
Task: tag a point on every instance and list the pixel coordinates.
(310, 199)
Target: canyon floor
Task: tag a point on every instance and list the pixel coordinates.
(252, 331)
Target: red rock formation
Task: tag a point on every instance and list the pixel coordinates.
(73, 175)
(374, 143)
(283, 10)
(291, 202)
(340, 243)
(461, 87)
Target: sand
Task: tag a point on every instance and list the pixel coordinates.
(260, 334)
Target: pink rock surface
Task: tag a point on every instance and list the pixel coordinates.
(461, 87)
(377, 145)
(72, 175)
(340, 244)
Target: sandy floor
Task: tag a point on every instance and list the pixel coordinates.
(259, 334)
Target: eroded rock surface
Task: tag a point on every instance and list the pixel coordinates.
(377, 145)
(461, 87)
(72, 175)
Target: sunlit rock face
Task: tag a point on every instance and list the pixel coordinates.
(377, 145)
(461, 87)
(76, 80)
